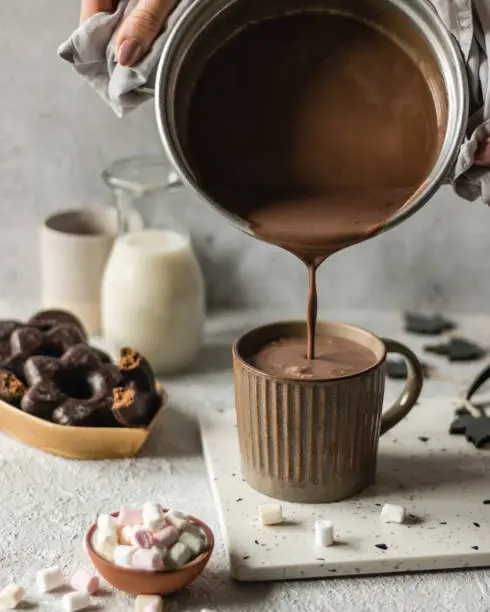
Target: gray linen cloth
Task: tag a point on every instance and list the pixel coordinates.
(90, 50)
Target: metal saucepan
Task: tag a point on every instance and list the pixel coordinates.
(414, 24)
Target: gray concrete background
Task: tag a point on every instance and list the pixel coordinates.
(56, 136)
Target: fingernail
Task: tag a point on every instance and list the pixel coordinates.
(129, 52)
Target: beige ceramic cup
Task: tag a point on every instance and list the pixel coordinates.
(315, 441)
(75, 246)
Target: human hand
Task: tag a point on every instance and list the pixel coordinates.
(139, 29)
(482, 156)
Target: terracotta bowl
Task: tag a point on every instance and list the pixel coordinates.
(144, 582)
(74, 442)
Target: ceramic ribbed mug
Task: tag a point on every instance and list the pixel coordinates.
(315, 441)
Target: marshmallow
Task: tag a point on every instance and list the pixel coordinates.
(150, 560)
(153, 608)
(107, 528)
(162, 552)
(324, 534)
(126, 535)
(49, 579)
(11, 596)
(85, 582)
(166, 537)
(148, 603)
(197, 530)
(136, 536)
(178, 519)
(130, 516)
(143, 538)
(105, 537)
(270, 514)
(393, 514)
(72, 602)
(123, 555)
(152, 516)
(195, 543)
(103, 548)
(178, 556)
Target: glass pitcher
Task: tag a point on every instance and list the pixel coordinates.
(153, 297)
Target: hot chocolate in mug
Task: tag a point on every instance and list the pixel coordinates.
(312, 440)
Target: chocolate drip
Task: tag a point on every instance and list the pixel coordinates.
(312, 311)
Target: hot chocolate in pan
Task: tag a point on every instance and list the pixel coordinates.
(315, 129)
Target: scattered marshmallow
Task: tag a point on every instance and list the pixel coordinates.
(166, 537)
(390, 513)
(178, 556)
(324, 533)
(49, 579)
(11, 596)
(85, 582)
(123, 555)
(143, 538)
(130, 516)
(148, 603)
(150, 560)
(195, 543)
(153, 518)
(178, 519)
(72, 602)
(270, 514)
(153, 608)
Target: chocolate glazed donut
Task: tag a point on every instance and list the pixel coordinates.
(20, 342)
(136, 401)
(75, 389)
(45, 320)
(49, 332)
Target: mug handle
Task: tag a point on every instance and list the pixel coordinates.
(411, 391)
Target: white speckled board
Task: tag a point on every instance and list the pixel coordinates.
(442, 480)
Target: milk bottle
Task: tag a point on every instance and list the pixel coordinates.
(153, 298)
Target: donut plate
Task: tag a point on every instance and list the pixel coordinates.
(88, 443)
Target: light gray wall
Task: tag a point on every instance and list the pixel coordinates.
(56, 137)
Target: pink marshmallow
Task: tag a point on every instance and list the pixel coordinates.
(166, 537)
(143, 538)
(152, 608)
(83, 581)
(150, 560)
(130, 516)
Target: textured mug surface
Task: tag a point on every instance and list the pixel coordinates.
(315, 441)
